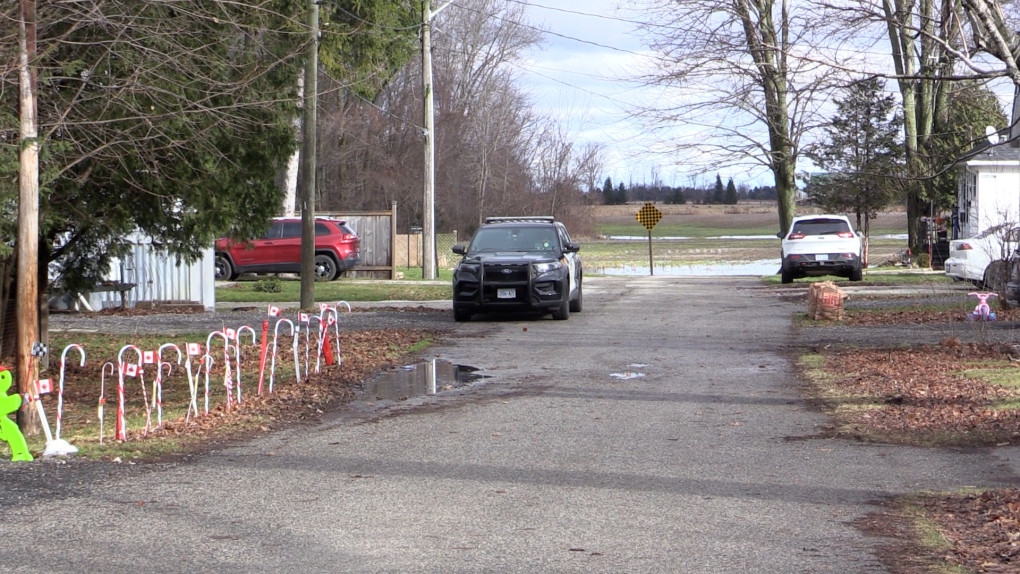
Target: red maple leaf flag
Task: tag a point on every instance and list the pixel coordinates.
(194, 349)
(303, 317)
(148, 357)
(274, 311)
(44, 386)
(131, 370)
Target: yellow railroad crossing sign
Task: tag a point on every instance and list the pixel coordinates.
(649, 215)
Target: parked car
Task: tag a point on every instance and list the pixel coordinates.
(337, 249)
(518, 264)
(1012, 287)
(819, 245)
(982, 259)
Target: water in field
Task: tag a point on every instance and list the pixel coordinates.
(721, 269)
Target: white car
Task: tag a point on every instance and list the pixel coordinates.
(821, 245)
(981, 259)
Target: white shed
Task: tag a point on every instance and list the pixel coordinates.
(155, 278)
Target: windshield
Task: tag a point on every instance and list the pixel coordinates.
(820, 226)
(505, 238)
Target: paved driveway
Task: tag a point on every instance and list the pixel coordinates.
(708, 462)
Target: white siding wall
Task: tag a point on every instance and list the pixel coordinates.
(998, 198)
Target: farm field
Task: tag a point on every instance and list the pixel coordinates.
(711, 234)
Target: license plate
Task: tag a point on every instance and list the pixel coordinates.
(822, 257)
(506, 293)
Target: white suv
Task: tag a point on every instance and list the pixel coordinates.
(821, 245)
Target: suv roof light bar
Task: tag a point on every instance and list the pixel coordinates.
(532, 218)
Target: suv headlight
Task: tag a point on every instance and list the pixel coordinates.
(541, 268)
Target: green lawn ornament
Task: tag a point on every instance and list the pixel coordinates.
(9, 431)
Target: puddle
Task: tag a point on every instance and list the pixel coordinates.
(419, 379)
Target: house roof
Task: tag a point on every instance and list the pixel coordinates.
(983, 152)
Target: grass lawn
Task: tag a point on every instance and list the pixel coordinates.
(333, 291)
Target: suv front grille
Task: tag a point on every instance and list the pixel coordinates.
(505, 272)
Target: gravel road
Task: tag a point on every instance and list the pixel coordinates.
(661, 430)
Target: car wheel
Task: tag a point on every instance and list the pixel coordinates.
(857, 274)
(577, 304)
(995, 277)
(787, 277)
(562, 313)
(460, 314)
(223, 270)
(325, 268)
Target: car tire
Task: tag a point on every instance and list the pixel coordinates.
(577, 304)
(786, 276)
(223, 270)
(857, 273)
(460, 314)
(995, 277)
(325, 268)
(562, 313)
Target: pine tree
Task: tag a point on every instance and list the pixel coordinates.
(608, 195)
(718, 192)
(730, 197)
(621, 195)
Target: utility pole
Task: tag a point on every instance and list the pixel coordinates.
(428, 261)
(428, 268)
(307, 167)
(28, 220)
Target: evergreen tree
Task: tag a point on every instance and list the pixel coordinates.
(861, 154)
(678, 197)
(730, 197)
(719, 191)
(621, 195)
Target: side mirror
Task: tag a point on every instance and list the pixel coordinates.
(779, 235)
(459, 249)
(571, 247)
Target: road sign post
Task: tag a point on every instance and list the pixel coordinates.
(648, 216)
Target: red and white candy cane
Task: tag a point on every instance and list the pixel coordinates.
(207, 363)
(272, 366)
(120, 429)
(227, 375)
(336, 326)
(60, 392)
(237, 353)
(102, 395)
(157, 385)
(318, 351)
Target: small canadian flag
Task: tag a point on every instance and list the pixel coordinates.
(230, 333)
(303, 317)
(194, 349)
(331, 319)
(131, 370)
(274, 311)
(148, 357)
(323, 306)
(44, 386)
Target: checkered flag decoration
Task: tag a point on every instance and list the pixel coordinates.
(39, 350)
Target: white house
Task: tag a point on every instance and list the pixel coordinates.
(988, 192)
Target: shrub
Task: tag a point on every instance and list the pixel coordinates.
(267, 286)
(923, 260)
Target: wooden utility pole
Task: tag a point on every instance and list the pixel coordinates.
(307, 166)
(428, 268)
(28, 220)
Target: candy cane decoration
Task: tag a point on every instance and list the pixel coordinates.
(120, 430)
(102, 395)
(207, 362)
(60, 392)
(306, 321)
(237, 354)
(227, 378)
(318, 351)
(336, 326)
(157, 385)
(327, 347)
(193, 350)
(276, 335)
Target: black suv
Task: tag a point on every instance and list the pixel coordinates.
(518, 264)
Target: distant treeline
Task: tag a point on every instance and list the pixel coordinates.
(718, 193)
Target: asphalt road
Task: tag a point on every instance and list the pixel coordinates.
(710, 462)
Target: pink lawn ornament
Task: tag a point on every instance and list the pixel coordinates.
(60, 392)
(982, 312)
(102, 395)
(120, 429)
(237, 354)
(272, 367)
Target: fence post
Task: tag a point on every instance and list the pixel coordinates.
(393, 240)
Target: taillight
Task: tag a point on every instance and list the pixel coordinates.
(845, 234)
(348, 237)
(795, 236)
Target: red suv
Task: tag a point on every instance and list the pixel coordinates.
(337, 249)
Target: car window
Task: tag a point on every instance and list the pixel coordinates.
(322, 229)
(346, 229)
(820, 227)
(291, 229)
(275, 229)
